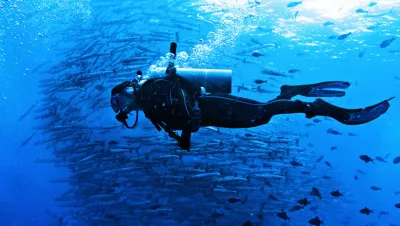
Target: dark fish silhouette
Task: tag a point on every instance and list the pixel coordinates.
(303, 202)
(380, 159)
(295, 14)
(361, 11)
(269, 71)
(328, 164)
(371, 27)
(352, 134)
(343, 36)
(396, 160)
(366, 211)
(319, 159)
(234, 200)
(313, 208)
(387, 42)
(355, 177)
(361, 54)
(315, 221)
(334, 132)
(317, 120)
(28, 139)
(294, 4)
(372, 4)
(113, 142)
(333, 148)
(397, 205)
(293, 71)
(273, 197)
(283, 215)
(154, 207)
(315, 192)
(336, 194)
(257, 54)
(366, 158)
(26, 113)
(326, 177)
(375, 188)
(216, 214)
(295, 163)
(328, 23)
(259, 81)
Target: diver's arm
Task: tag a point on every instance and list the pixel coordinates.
(156, 125)
(185, 138)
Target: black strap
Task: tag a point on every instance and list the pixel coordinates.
(196, 117)
(170, 132)
(123, 116)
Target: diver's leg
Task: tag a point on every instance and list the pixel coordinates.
(235, 112)
(314, 90)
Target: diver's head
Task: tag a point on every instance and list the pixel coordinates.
(123, 97)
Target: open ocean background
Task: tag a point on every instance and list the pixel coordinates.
(65, 160)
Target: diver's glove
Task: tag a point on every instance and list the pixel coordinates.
(184, 144)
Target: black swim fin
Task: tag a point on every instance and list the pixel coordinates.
(321, 89)
(347, 116)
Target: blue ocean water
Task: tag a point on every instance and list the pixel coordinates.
(65, 160)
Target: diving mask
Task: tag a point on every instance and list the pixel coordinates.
(123, 101)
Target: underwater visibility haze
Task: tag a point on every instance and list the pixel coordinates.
(323, 151)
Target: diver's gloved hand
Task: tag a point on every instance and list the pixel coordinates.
(184, 144)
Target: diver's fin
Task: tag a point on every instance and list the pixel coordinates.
(348, 116)
(314, 90)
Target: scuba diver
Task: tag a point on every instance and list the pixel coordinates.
(174, 102)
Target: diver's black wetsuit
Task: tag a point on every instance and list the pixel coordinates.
(169, 102)
(235, 112)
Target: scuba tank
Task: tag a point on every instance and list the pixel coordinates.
(213, 80)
